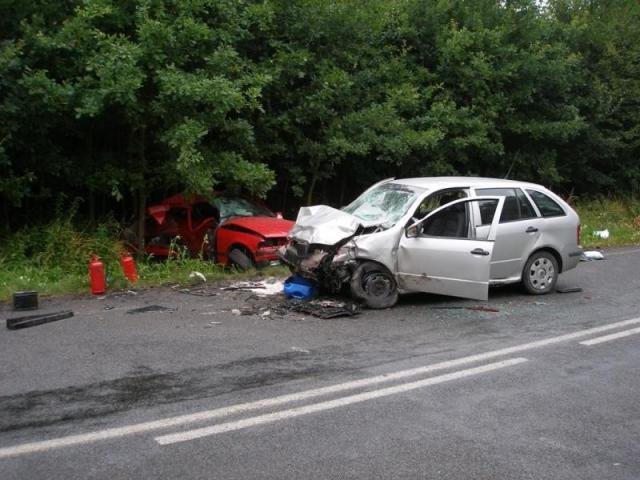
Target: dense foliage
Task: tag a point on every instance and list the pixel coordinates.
(117, 102)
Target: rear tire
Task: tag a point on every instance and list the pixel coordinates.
(540, 273)
(240, 259)
(374, 285)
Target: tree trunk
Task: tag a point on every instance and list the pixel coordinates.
(142, 191)
(343, 190)
(314, 180)
(285, 189)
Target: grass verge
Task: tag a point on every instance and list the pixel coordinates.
(620, 216)
(52, 259)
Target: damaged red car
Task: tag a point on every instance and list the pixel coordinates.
(231, 230)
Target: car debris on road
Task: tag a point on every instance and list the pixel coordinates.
(39, 319)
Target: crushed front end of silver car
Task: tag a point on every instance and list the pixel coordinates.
(316, 248)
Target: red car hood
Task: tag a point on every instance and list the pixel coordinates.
(269, 227)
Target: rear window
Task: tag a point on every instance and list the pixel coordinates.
(547, 206)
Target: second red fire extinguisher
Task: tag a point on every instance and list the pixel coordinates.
(129, 267)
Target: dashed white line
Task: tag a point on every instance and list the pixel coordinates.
(181, 420)
(613, 336)
(330, 404)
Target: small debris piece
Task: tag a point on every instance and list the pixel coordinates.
(244, 286)
(266, 313)
(477, 308)
(215, 323)
(326, 311)
(569, 290)
(198, 275)
(33, 320)
(301, 350)
(150, 308)
(108, 307)
(592, 255)
(235, 311)
(604, 234)
(483, 308)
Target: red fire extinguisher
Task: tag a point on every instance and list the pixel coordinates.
(97, 278)
(129, 267)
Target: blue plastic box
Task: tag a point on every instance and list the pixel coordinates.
(300, 288)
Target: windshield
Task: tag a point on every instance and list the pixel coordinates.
(384, 204)
(239, 207)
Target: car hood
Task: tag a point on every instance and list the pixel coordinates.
(269, 227)
(324, 225)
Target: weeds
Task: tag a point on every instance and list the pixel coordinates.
(618, 215)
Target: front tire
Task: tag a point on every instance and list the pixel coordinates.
(240, 259)
(540, 273)
(374, 285)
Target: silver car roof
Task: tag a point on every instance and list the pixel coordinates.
(438, 183)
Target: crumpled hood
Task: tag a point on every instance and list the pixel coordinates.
(269, 227)
(323, 225)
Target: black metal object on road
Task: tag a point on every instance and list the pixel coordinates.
(25, 301)
(33, 320)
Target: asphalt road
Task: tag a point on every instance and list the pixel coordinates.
(546, 387)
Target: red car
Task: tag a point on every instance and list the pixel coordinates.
(231, 230)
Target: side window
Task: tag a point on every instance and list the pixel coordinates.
(511, 210)
(438, 199)
(455, 221)
(202, 210)
(526, 209)
(516, 204)
(487, 211)
(547, 206)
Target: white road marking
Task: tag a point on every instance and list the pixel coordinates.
(613, 336)
(330, 404)
(180, 420)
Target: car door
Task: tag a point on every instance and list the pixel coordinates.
(443, 254)
(519, 231)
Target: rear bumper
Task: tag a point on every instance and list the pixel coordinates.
(571, 259)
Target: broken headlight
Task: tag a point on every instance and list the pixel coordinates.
(345, 253)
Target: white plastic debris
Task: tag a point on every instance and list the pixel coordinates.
(235, 311)
(269, 287)
(198, 275)
(592, 255)
(603, 234)
(301, 350)
(266, 313)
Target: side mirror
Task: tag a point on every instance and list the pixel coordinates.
(412, 231)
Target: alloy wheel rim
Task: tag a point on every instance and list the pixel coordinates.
(541, 273)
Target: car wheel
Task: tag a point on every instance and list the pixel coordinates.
(374, 285)
(240, 259)
(540, 273)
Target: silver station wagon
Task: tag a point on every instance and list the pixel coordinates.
(445, 235)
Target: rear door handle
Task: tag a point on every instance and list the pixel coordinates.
(479, 251)
(531, 230)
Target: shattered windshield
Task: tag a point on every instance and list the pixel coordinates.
(384, 204)
(239, 207)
